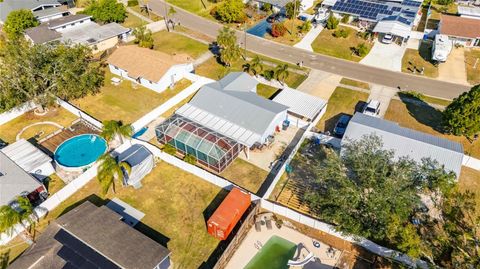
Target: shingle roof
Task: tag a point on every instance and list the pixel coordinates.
(91, 237)
(459, 26)
(407, 142)
(8, 6)
(14, 180)
(41, 34)
(239, 107)
(143, 62)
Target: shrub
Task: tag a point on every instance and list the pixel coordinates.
(132, 3)
(332, 22)
(306, 26)
(169, 149)
(106, 11)
(143, 37)
(267, 7)
(345, 18)
(268, 74)
(444, 2)
(231, 11)
(341, 33)
(189, 158)
(278, 29)
(361, 50)
(413, 94)
(17, 21)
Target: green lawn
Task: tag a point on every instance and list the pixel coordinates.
(174, 203)
(173, 43)
(339, 47)
(266, 91)
(470, 181)
(355, 83)
(418, 59)
(54, 184)
(124, 102)
(472, 63)
(438, 9)
(9, 130)
(342, 101)
(214, 70)
(428, 120)
(133, 21)
(245, 174)
(199, 7)
(152, 16)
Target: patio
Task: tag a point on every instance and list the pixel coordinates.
(324, 254)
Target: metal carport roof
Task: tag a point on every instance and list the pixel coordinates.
(300, 103)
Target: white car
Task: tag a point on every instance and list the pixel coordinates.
(387, 39)
(372, 108)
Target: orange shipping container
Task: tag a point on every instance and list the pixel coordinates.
(224, 219)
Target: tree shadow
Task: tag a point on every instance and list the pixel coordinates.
(217, 200)
(422, 112)
(331, 122)
(4, 259)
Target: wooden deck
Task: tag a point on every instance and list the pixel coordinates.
(50, 144)
(292, 196)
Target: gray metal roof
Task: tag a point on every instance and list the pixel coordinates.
(300, 103)
(91, 237)
(407, 142)
(26, 155)
(240, 107)
(53, 24)
(8, 6)
(277, 3)
(91, 33)
(14, 180)
(49, 12)
(41, 34)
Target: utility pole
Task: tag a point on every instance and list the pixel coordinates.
(294, 15)
(166, 16)
(245, 39)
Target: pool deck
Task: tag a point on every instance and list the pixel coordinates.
(246, 251)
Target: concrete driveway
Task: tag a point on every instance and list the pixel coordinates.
(382, 94)
(385, 56)
(453, 69)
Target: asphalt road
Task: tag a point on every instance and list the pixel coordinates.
(313, 60)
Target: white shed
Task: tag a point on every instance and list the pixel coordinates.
(140, 160)
(30, 158)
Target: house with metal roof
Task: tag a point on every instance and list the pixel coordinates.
(150, 68)
(93, 237)
(222, 119)
(7, 6)
(30, 158)
(385, 17)
(406, 142)
(78, 29)
(14, 182)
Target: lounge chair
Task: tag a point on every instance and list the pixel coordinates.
(268, 223)
(258, 226)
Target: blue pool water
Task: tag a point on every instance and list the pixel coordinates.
(80, 150)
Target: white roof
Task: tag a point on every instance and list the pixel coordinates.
(329, 3)
(300, 103)
(219, 125)
(26, 155)
(393, 27)
(472, 12)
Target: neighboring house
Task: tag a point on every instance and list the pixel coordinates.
(141, 162)
(279, 5)
(384, 17)
(222, 119)
(150, 68)
(93, 237)
(78, 29)
(30, 158)
(471, 12)
(14, 182)
(7, 6)
(461, 30)
(407, 142)
(49, 14)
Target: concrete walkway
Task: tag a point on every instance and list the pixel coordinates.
(203, 58)
(382, 94)
(320, 84)
(307, 40)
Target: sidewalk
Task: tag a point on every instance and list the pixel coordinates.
(307, 40)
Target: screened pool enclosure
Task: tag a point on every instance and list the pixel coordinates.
(211, 149)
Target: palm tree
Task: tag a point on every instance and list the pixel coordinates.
(256, 65)
(110, 170)
(22, 212)
(116, 129)
(281, 73)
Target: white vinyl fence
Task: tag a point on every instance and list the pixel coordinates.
(471, 162)
(156, 112)
(16, 112)
(74, 110)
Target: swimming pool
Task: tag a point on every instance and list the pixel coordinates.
(80, 151)
(273, 255)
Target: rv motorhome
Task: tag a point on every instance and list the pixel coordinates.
(441, 48)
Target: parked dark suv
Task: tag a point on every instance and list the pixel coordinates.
(341, 125)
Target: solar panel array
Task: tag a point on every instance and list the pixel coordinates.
(376, 11)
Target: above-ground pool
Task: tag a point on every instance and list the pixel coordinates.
(273, 255)
(80, 151)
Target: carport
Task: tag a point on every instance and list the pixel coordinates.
(301, 106)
